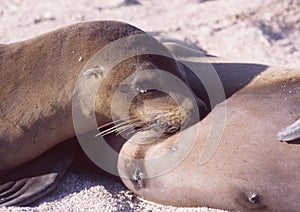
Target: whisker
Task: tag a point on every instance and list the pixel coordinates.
(138, 130)
(125, 125)
(128, 119)
(149, 126)
(133, 131)
(119, 129)
(118, 125)
(125, 129)
(128, 127)
(137, 124)
(115, 130)
(116, 121)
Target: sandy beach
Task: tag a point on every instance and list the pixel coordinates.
(247, 31)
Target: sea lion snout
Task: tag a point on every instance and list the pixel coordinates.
(160, 112)
(161, 104)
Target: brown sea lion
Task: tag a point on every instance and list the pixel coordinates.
(48, 80)
(236, 162)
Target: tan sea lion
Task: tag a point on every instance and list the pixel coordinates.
(239, 166)
(47, 80)
(26, 183)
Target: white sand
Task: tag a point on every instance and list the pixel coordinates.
(254, 31)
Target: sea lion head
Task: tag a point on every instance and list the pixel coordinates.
(151, 93)
(137, 81)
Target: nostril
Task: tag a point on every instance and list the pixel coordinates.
(253, 197)
(171, 129)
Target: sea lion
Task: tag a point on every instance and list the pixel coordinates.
(241, 166)
(41, 80)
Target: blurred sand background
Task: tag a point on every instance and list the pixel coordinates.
(264, 31)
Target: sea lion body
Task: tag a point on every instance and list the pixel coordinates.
(38, 77)
(248, 169)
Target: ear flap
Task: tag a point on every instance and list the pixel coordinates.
(290, 133)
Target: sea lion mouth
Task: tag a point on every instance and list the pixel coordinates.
(157, 121)
(165, 123)
(166, 128)
(151, 109)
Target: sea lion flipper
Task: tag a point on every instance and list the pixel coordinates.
(290, 133)
(35, 179)
(27, 190)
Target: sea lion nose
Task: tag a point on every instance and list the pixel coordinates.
(164, 127)
(171, 130)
